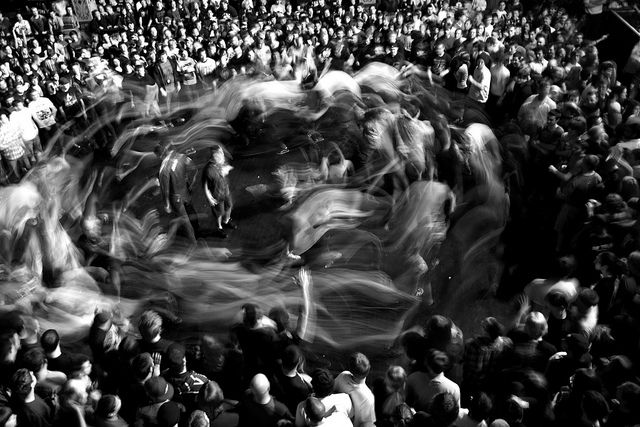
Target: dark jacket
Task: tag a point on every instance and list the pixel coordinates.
(177, 174)
(161, 78)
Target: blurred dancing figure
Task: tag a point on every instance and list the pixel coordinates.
(177, 176)
(216, 188)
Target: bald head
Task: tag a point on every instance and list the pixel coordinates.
(260, 387)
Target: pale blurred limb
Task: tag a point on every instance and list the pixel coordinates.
(306, 317)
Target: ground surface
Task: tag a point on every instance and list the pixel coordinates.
(258, 241)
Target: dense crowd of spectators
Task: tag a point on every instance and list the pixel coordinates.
(570, 121)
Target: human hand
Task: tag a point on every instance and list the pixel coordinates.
(167, 208)
(214, 202)
(163, 92)
(303, 278)
(157, 360)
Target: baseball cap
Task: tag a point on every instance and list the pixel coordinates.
(158, 389)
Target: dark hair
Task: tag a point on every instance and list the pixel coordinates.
(359, 365)
(557, 299)
(322, 382)
(49, 340)
(480, 406)
(444, 409)
(21, 383)
(291, 357)
(250, 317)
(33, 360)
(437, 361)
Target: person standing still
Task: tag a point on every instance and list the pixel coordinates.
(215, 180)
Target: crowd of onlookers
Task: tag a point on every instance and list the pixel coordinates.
(569, 122)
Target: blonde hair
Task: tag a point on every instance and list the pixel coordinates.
(535, 325)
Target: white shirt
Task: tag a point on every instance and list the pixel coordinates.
(23, 120)
(340, 418)
(499, 79)
(361, 397)
(44, 110)
(482, 76)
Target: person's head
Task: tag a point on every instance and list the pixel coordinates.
(359, 366)
(323, 382)
(628, 394)
(395, 378)
(142, 366)
(535, 325)
(217, 154)
(544, 88)
(177, 360)
(139, 69)
(210, 396)
(150, 326)
(198, 419)
(586, 299)
(291, 358)
(436, 362)
(557, 303)
(492, 327)
(608, 263)
(589, 163)
(9, 346)
(23, 383)
(438, 330)
(552, 118)
(444, 409)
(314, 411)
(74, 391)
(108, 407)
(260, 388)
(480, 406)
(158, 390)
(36, 361)
(439, 49)
(81, 366)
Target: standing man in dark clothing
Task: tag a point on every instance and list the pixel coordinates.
(30, 409)
(259, 408)
(439, 61)
(166, 75)
(177, 176)
(143, 92)
(216, 188)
